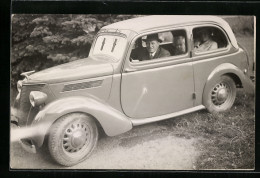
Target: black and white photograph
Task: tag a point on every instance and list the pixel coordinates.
(132, 92)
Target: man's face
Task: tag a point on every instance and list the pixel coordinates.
(180, 46)
(152, 46)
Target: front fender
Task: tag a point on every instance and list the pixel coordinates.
(228, 68)
(112, 121)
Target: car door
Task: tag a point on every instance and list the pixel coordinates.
(159, 86)
(206, 60)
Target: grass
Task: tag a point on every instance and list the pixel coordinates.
(226, 140)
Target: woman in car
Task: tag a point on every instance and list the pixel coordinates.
(205, 43)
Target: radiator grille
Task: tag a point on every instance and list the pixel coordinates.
(26, 111)
(82, 85)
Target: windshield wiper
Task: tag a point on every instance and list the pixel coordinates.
(114, 44)
(103, 43)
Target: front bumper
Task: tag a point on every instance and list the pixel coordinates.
(26, 144)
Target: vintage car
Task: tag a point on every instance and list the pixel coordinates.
(114, 90)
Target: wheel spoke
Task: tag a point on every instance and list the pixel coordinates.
(75, 137)
(72, 126)
(218, 94)
(66, 138)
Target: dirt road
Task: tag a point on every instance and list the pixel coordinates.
(153, 146)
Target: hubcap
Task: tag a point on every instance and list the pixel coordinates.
(75, 137)
(220, 94)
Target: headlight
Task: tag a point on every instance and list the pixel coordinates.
(19, 85)
(37, 98)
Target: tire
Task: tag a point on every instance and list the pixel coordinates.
(72, 139)
(220, 95)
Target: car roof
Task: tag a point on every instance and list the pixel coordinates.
(156, 21)
(147, 23)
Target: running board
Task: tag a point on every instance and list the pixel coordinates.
(167, 116)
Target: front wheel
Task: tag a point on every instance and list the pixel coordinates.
(220, 95)
(72, 138)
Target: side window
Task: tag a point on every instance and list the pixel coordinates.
(208, 38)
(159, 45)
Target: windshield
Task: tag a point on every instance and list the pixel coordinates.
(113, 46)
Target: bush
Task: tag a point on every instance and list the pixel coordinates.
(241, 25)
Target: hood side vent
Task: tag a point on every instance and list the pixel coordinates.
(82, 85)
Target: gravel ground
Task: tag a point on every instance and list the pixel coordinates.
(150, 146)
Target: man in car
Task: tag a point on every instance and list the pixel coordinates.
(205, 43)
(180, 45)
(153, 49)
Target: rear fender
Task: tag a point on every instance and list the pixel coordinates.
(226, 69)
(112, 121)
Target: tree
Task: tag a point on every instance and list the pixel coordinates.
(41, 41)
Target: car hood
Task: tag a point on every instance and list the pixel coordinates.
(76, 70)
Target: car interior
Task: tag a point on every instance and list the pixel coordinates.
(167, 43)
(215, 33)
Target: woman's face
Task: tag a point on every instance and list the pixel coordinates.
(205, 36)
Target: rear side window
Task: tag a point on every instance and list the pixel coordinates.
(208, 39)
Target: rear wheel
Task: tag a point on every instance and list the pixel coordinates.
(220, 95)
(72, 139)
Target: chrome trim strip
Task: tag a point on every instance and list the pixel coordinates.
(79, 89)
(32, 84)
(82, 85)
(167, 116)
